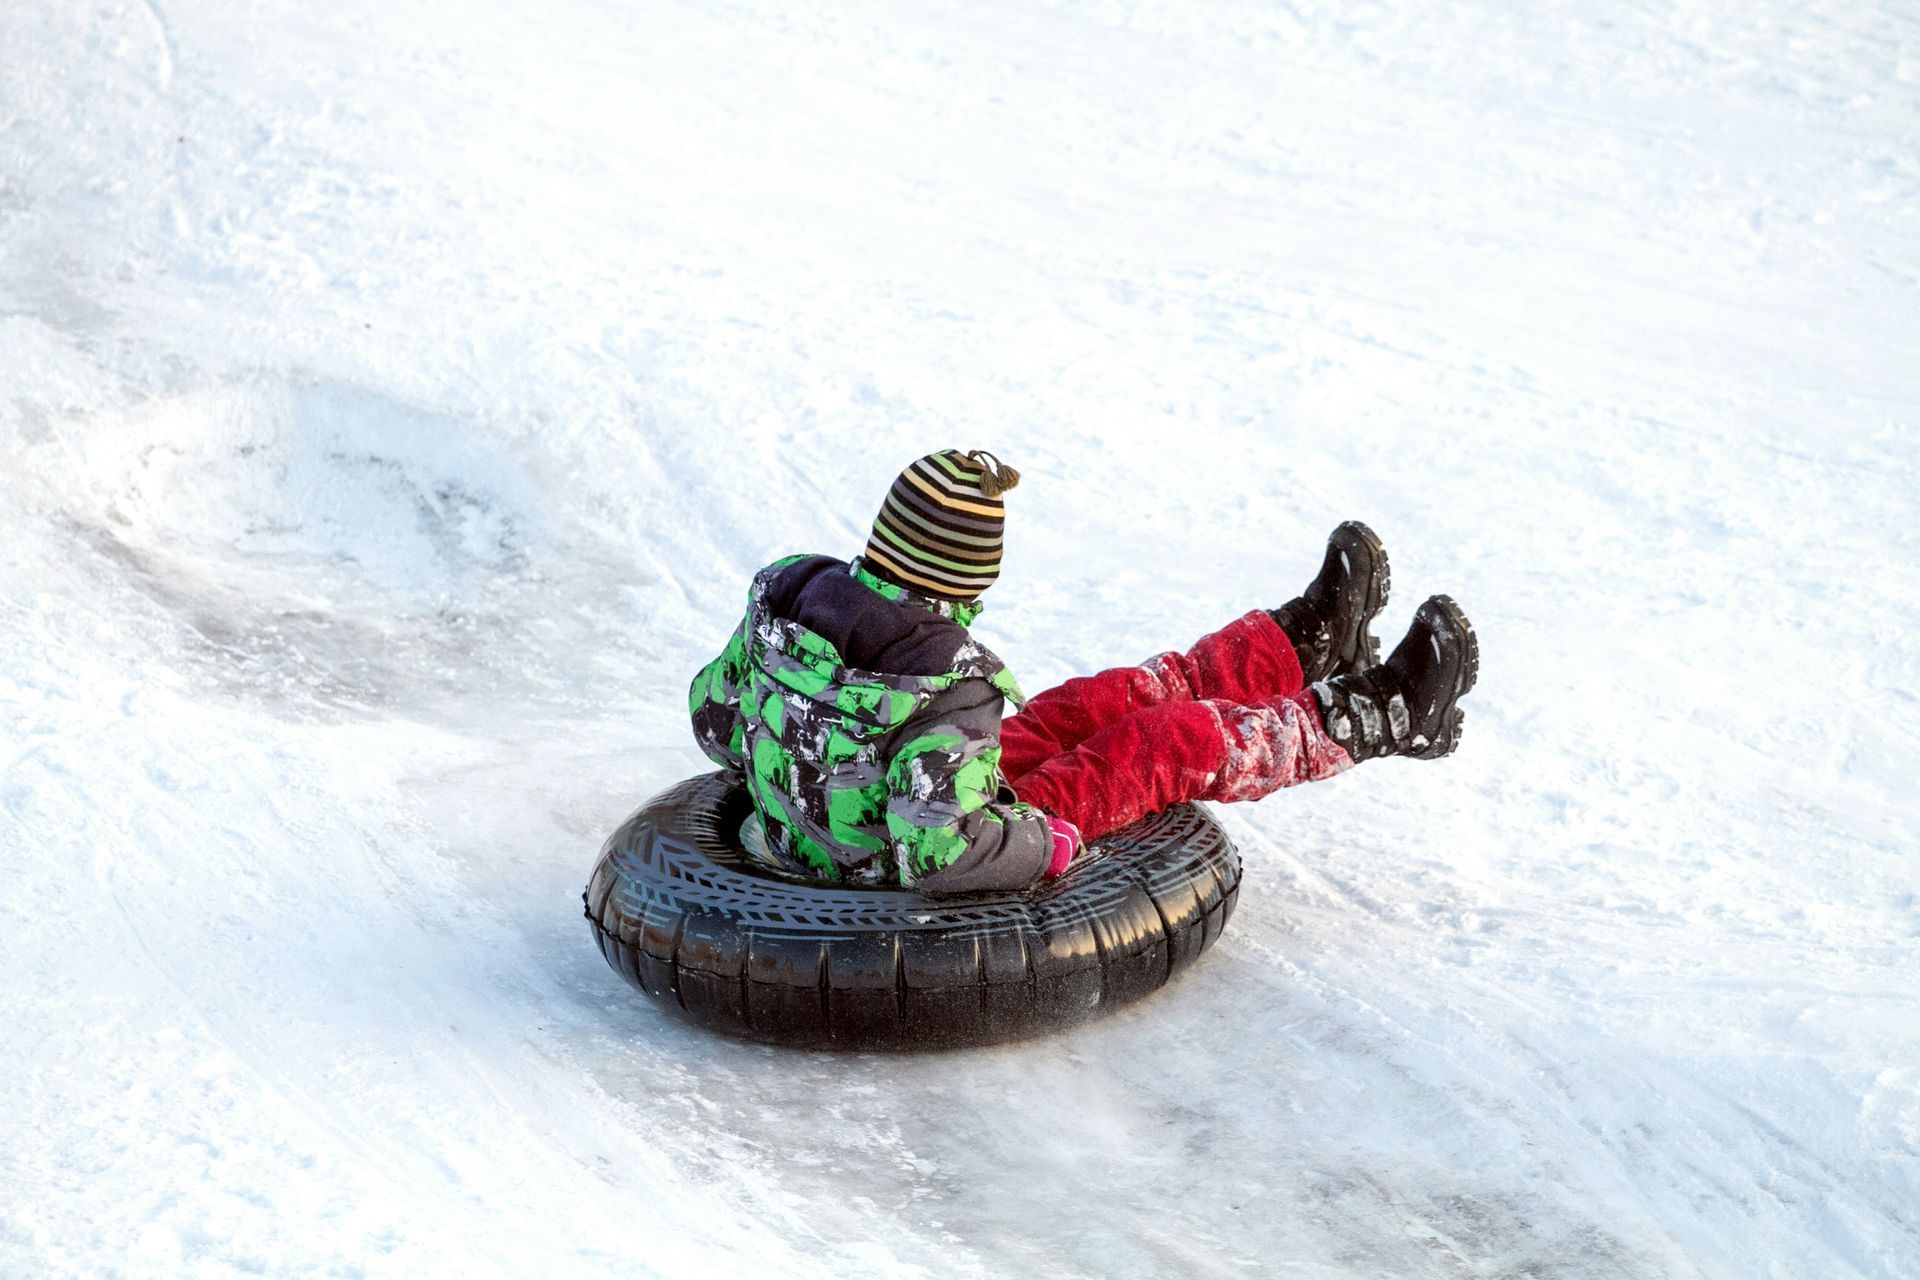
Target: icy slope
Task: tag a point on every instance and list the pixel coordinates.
(395, 399)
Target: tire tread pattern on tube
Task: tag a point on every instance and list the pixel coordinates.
(680, 913)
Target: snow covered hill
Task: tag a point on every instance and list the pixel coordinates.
(394, 400)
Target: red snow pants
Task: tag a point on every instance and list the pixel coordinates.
(1227, 720)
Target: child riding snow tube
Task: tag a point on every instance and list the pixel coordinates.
(865, 729)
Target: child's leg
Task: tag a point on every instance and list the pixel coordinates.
(1248, 660)
(1176, 751)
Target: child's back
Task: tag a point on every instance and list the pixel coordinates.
(863, 717)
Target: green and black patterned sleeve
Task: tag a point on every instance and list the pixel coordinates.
(950, 830)
(714, 702)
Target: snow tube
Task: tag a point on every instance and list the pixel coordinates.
(681, 913)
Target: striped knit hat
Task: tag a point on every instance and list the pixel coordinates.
(939, 531)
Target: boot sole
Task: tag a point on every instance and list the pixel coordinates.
(1355, 539)
(1449, 737)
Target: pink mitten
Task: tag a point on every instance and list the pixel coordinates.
(1066, 843)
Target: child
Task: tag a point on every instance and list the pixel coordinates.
(865, 720)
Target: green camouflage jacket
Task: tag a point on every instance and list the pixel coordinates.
(865, 723)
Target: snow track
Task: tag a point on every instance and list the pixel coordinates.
(394, 404)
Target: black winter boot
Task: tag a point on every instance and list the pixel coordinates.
(1407, 705)
(1328, 623)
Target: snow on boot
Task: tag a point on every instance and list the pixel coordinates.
(1328, 624)
(1407, 705)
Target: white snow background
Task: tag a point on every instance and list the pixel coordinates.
(395, 399)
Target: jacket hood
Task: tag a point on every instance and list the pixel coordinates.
(806, 663)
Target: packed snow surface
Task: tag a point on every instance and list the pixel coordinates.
(395, 399)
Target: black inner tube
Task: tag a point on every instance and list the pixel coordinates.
(680, 912)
